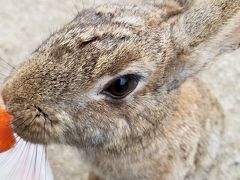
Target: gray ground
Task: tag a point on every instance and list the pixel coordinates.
(24, 24)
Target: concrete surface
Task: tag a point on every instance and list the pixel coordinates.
(25, 24)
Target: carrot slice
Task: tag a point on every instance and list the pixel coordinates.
(7, 139)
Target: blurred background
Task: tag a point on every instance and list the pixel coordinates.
(25, 24)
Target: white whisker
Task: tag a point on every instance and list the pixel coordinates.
(9, 65)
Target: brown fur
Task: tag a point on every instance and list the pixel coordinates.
(168, 128)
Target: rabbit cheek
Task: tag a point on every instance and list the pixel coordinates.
(97, 128)
(30, 122)
(30, 126)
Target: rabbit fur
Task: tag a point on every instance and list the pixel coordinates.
(169, 127)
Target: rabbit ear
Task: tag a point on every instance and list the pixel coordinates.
(206, 29)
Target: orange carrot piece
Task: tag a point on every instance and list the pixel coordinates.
(7, 139)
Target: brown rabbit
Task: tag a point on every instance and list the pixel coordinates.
(117, 83)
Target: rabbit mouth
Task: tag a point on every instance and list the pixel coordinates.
(36, 126)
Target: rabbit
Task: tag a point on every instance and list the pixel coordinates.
(119, 84)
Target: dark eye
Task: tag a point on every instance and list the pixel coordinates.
(121, 86)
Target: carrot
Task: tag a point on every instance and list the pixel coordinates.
(7, 139)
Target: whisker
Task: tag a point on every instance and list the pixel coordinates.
(23, 123)
(14, 122)
(27, 126)
(19, 139)
(45, 147)
(35, 163)
(30, 163)
(29, 145)
(18, 158)
(45, 162)
(3, 75)
(32, 169)
(41, 164)
(7, 63)
(5, 126)
(2, 159)
(3, 67)
(44, 134)
(6, 67)
(9, 125)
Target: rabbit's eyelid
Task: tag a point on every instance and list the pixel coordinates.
(140, 85)
(136, 76)
(140, 68)
(103, 86)
(96, 93)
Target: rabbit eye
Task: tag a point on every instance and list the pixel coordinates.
(121, 86)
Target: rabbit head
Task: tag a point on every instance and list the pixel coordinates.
(109, 79)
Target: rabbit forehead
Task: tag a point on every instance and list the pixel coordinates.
(115, 21)
(88, 48)
(96, 51)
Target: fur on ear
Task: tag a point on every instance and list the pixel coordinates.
(207, 29)
(226, 39)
